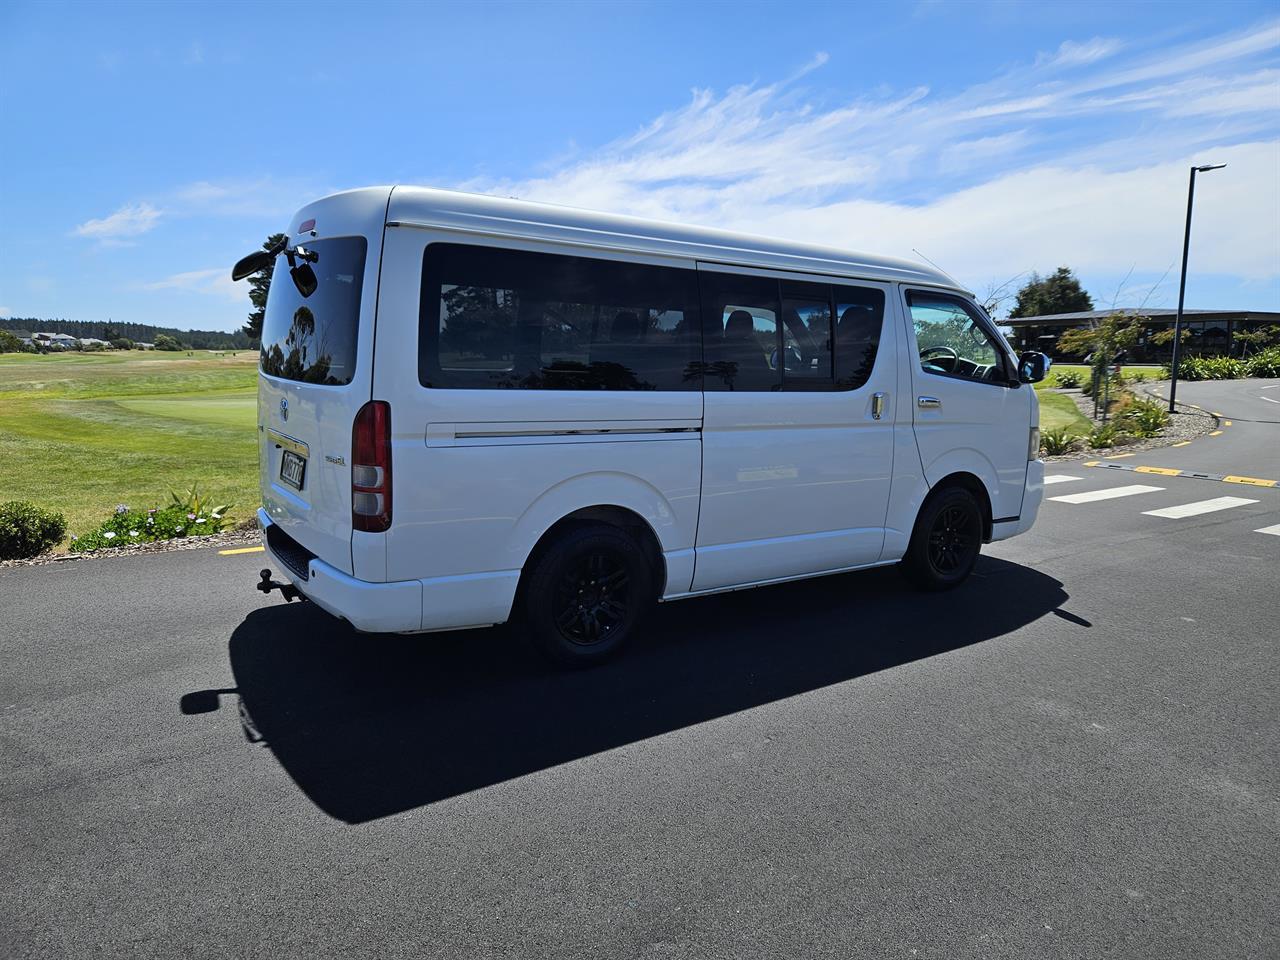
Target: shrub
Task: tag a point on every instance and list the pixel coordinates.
(1068, 378)
(1265, 363)
(1211, 368)
(1057, 441)
(188, 515)
(1144, 418)
(1107, 436)
(27, 531)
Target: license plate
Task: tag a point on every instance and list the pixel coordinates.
(292, 468)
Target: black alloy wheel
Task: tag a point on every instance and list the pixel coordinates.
(946, 541)
(585, 593)
(954, 539)
(592, 598)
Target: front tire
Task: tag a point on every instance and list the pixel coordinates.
(585, 595)
(946, 540)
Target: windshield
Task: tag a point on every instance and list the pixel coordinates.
(313, 339)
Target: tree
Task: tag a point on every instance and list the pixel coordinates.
(1058, 293)
(121, 343)
(1104, 342)
(9, 343)
(259, 285)
(166, 342)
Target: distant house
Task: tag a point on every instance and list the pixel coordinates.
(93, 342)
(140, 345)
(55, 341)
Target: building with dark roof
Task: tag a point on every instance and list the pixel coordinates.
(1211, 332)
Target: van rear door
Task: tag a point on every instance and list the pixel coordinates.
(316, 372)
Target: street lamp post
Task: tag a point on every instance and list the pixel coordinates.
(1182, 284)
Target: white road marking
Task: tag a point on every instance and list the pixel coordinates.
(1274, 531)
(1109, 494)
(1199, 507)
(1058, 478)
(1268, 399)
(1270, 386)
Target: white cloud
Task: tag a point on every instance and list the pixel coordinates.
(1075, 159)
(214, 282)
(6, 312)
(131, 220)
(1070, 53)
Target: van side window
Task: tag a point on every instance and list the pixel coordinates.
(740, 332)
(764, 334)
(859, 313)
(806, 335)
(952, 342)
(511, 319)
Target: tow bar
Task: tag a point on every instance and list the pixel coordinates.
(287, 590)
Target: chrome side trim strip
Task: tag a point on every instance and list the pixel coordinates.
(615, 432)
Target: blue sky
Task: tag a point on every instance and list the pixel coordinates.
(147, 147)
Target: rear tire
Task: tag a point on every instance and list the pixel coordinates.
(946, 540)
(586, 593)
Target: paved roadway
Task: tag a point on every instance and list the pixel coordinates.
(1073, 756)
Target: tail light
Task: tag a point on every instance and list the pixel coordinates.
(371, 468)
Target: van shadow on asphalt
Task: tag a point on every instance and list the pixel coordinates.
(371, 725)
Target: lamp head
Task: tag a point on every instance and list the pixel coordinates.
(1205, 167)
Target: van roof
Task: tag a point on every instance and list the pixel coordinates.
(499, 216)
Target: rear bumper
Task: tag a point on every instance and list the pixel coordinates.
(372, 607)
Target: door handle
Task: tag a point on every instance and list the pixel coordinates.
(877, 404)
(928, 403)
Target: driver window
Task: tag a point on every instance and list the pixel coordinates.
(952, 342)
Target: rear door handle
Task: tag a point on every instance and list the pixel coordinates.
(928, 403)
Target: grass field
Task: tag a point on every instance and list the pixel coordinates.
(82, 432)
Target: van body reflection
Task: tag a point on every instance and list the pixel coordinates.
(369, 726)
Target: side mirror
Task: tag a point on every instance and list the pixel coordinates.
(1032, 367)
(247, 266)
(304, 278)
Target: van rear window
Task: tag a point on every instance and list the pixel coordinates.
(512, 319)
(313, 339)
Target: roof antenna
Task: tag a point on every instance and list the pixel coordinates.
(936, 267)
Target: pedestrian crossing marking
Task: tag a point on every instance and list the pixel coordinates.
(1273, 530)
(1111, 493)
(1252, 481)
(1163, 471)
(1058, 478)
(1199, 507)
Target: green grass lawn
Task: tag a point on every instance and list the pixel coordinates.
(82, 432)
(1128, 372)
(1059, 410)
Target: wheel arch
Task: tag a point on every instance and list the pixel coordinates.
(965, 481)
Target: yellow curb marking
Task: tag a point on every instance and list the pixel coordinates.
(1254, 481)
(1163, 471)
(1214, 413)
(1195, 406)
(1226, 423)
(1092, 463)
(1216, 433)
(1184, 443)
(1119, 456)
(231, 553)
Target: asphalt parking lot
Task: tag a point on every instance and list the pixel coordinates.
(1072, 756)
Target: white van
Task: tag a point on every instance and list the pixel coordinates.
(472, 409)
